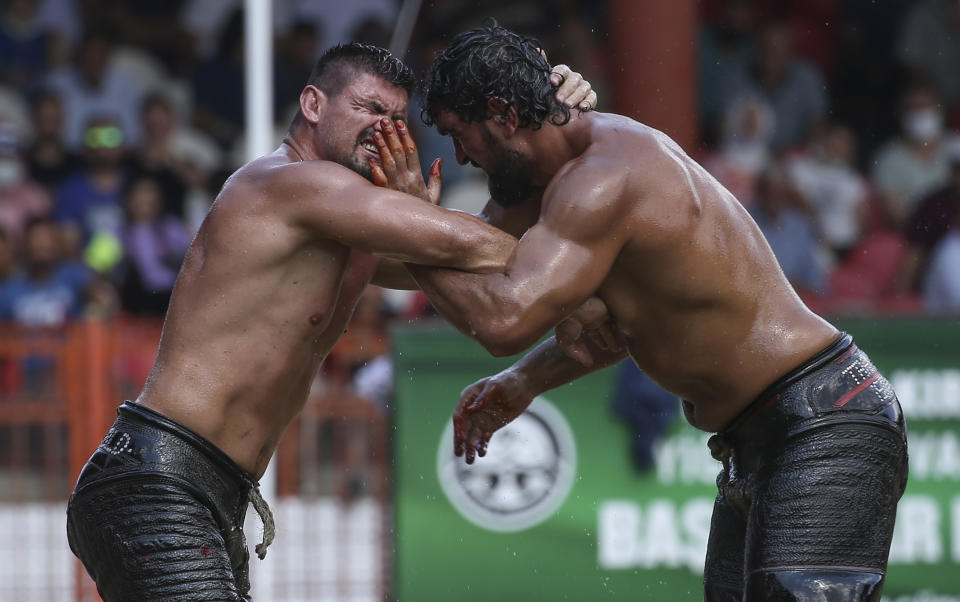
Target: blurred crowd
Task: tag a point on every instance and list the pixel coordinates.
(834, 122)
(836, 125)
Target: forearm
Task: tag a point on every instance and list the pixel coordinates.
(450, 239)
(394, 274)
(547, 367)
(483, 307)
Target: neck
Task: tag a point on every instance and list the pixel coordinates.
(552, 146)
(296, 140)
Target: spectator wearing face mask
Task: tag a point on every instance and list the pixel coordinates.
(915, 162)
(20, 198)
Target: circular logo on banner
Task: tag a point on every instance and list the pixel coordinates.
(525, 476)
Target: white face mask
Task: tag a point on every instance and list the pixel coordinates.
(10, 172)
(923, 125)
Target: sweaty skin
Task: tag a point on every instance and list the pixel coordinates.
(694, 289)
(271, 279)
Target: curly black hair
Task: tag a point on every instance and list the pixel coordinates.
(492, 62)
(340, 64)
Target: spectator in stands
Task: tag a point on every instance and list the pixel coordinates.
(941, 285)
(96, 88)
(915, 162)
(744, 149)
(935, 217)
(49, 160)
(833, 190)
(181, 157)
(20, 197)
(155, 158)
(219, 98)
(793, 86)
(91, 199)
(154, 245)
(50, 290)
(646, 408)
(789, 231)
(8, 257)
(725, 51)
(23, 45)
(929, 45)
(296, 54)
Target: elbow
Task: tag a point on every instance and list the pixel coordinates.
(506, 336)
(490, 252)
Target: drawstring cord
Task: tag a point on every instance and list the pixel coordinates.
(266, 517)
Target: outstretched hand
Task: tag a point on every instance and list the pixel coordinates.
(399, 166)
(591, 321)
(485, 407)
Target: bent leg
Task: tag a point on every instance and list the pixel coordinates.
(823, 515)
(150, 540)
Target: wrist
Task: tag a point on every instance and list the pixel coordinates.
(518, 381)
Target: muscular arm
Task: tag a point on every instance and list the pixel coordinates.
(334, 202)
(491, 403)
(547, 366)
(557, 265)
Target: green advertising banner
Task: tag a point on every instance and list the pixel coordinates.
(557, 511)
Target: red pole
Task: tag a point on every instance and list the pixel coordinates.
(653, 47)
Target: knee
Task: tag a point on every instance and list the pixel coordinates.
(821, 585)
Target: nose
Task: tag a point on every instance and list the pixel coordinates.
(462, 157)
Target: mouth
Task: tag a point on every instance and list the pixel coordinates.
(368, 145)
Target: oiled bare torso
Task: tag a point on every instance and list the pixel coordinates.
(696, 290)
(256, 308)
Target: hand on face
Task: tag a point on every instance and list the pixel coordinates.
(591, 321)
(485, 407)
(399, 167)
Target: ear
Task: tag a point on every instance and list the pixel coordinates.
(312, 102)
(503, 116)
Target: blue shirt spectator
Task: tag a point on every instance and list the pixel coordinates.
(49, 291)
(789, 231)
(91, 200)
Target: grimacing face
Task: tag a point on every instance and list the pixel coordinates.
(350, 118)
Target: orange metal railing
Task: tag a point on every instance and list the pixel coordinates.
(59, 390)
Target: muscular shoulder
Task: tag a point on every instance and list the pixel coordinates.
(277, 178)
(629, 174)
(618, 166)
(644, 153)
(585, 196)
